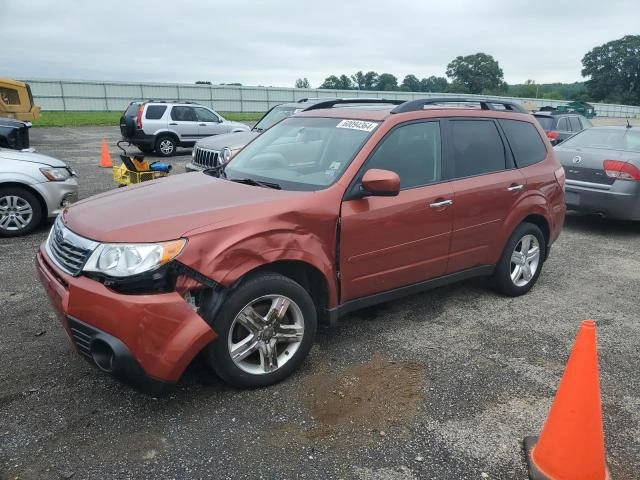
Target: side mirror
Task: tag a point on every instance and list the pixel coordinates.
(381, 183)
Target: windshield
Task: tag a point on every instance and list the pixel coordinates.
(274, 116)
(301, 153)
(615, 139)
(545, 122)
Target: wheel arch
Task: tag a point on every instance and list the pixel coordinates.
(33, 191)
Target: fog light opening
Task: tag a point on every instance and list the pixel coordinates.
(102, 355)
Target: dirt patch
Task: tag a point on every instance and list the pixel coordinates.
(375, 395)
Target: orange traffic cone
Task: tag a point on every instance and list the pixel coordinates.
(105, 158)
(571, 444)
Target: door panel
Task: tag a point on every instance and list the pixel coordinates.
(184, 122)
(208, 123)
(480, 206)
(389, 242)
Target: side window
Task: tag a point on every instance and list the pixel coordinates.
(9, 96)
(155, 112)
(575, 124)
(413, 151)
(205, 115)
(526, 144)
(563, 124)
(184, 114)
(477, 148)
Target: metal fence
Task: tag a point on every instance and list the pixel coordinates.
(68, 95)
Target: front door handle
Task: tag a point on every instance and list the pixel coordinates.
(202, 124)
(173, 124)
(441, 203)
(515, 188)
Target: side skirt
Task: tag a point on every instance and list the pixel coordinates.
(389, 295)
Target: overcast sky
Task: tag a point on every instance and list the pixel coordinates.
(273, 42)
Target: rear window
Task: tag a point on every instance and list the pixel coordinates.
(155, 112)
(132, 110)
(526, 144)
(608, 138)
(545, 122)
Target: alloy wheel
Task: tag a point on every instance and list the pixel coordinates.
(166, 147)
(15, 213)
(265, 334)
(525, 260)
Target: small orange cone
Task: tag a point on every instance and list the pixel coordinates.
(105, 158)
(571, 444)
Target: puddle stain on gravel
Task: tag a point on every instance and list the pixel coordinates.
(375, 395)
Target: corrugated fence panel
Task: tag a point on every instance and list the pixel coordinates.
(115, 96)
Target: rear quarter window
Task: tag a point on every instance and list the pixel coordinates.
(155, 112)
(525, 142)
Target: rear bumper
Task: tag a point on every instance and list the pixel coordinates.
(621, 201)
(152, 338)
(141, 139)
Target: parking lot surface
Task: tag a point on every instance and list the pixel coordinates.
(442, 385)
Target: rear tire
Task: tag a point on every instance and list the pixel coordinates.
(266, 328)
(165, 145)
(521, 261)
(20, 212)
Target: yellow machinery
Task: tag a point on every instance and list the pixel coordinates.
(16, 100)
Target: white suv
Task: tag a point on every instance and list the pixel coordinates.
(164, 125)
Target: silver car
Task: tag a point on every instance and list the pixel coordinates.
(33, 188)
(602, 167)
(162, 126)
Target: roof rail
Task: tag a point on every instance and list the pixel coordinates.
(415, 105)
(359, 100)
(152, 100)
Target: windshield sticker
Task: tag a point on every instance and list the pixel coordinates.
(330, 173)
(357, 125)
(334, 166)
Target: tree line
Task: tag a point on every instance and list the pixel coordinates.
(613, 68)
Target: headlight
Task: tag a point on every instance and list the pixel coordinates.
(225, 154)
(56, 174)
(123, 260)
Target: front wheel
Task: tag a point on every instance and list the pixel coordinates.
(266, 328)
(521, 262)
(20, 212)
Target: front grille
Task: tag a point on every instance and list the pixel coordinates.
(68, 250)
(81, 335)
(206, 158)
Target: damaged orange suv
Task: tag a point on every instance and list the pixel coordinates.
(328, 211)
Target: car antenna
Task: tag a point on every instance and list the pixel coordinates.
(628, 123)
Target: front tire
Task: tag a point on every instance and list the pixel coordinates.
(521, 261)
(20, 212)
(165, 145)
(266, 328)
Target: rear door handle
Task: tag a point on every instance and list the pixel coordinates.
(441, 203)
(515, 188)
(173, 124)
(202, 124)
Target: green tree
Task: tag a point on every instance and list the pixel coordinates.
(370, 80)
(337, 83)
(614, 69)
(411, 84)
(203, 82)
(476, 72)
(303, 83)
(387, 82)
(434, 84)
(358, 80)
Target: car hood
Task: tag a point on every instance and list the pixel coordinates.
(30, 157)
(233, 141)
(170, 208)
(233, 124)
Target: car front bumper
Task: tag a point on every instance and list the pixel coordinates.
(57, 195)
(620, 200)
(193, 167)
(146, 341)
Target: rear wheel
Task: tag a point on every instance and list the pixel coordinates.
(20, 212)
(266, 328)
(165, 146)
(521, 262)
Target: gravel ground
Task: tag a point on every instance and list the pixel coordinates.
(439, 385)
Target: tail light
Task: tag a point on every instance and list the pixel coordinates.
(621, 170)
(139, 117)
(553, 135)
(560, 177)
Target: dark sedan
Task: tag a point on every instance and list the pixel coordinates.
(602, 166)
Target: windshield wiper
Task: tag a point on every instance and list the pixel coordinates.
(256, 183)
(258, 129)
(217, 171)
